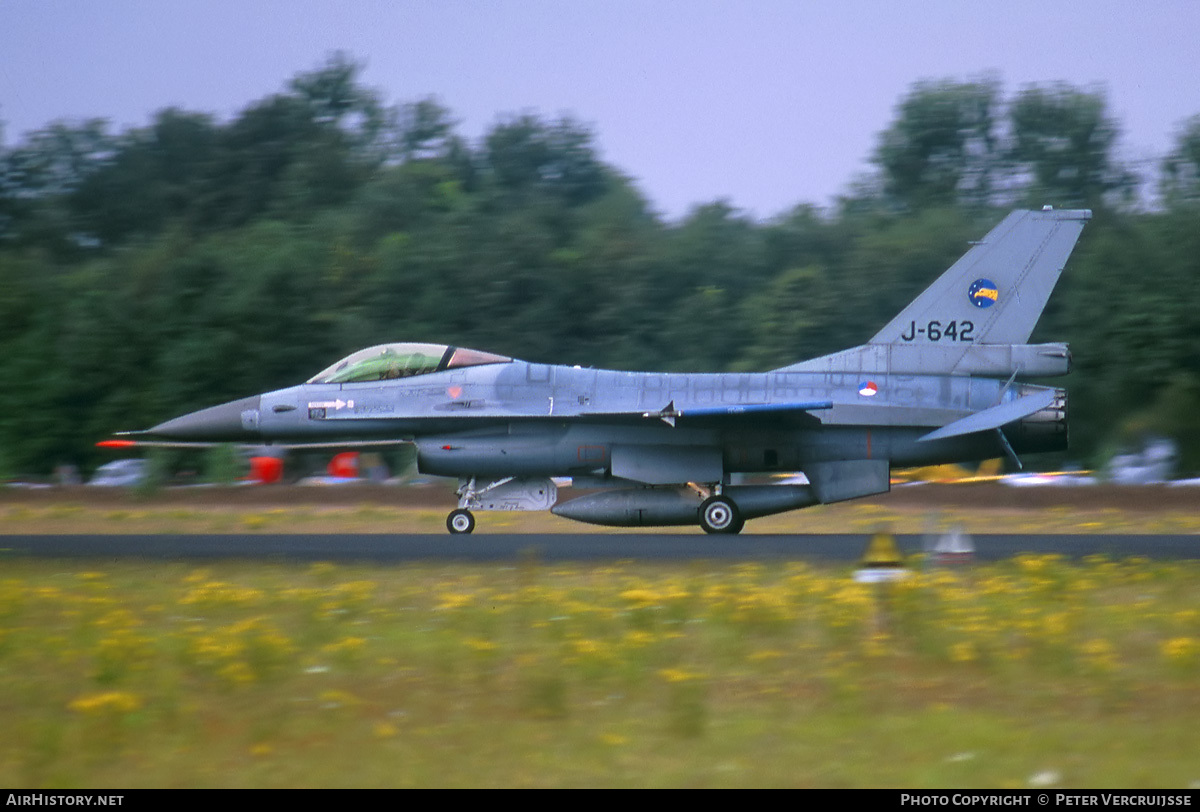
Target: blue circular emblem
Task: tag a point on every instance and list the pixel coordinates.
(983, 293)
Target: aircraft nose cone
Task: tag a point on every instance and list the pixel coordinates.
(236, 420)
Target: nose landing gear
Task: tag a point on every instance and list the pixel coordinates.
(509, 493)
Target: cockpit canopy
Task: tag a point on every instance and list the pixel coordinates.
(389, 361)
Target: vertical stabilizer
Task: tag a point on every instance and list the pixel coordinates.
(996, 292)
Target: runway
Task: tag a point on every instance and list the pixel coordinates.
(484, 547)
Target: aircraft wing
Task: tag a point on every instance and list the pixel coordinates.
(995, 417)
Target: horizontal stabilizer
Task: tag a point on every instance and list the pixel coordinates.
(995, 417)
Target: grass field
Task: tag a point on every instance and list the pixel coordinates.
(1033, 672)
(976, 508)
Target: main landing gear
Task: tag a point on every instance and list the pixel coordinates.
(719, 514)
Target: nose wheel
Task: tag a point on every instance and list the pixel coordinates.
(460, 521)
(719, 514)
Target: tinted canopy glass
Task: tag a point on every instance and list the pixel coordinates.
(389, 361)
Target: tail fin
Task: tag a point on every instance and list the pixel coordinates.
(977, 316)
(996, 292)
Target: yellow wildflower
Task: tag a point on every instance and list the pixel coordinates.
(676, 675)
(107, 702)
(1180, 650)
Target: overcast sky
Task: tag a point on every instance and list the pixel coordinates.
(765, 104)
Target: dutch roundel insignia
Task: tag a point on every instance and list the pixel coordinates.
(983, 293)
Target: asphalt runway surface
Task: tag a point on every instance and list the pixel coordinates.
(485, 547)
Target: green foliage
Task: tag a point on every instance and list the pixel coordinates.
(222, 465)
(159, 462)
(942, 148)
(1171, 414)
(1064, 137)
(960, 143)
(1181, 169)
(1131, 309)
(789, 317)
(524, 154)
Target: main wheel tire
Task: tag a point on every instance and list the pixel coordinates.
(460, 521)
(720, 515)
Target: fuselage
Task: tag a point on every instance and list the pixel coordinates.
(524, 419)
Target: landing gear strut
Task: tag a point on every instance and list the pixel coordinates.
(508, 493)
(718, 514)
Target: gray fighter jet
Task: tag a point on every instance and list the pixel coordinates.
(938, 384)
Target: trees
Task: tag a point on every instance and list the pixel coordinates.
(943, 147)
(525, 155)
(189, 261)
(1181, 168)
(155, 175)
(961, 144)
(1130, 308)
(1064, 139)
(38, 177)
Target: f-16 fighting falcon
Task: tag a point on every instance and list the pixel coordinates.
(939, 383)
